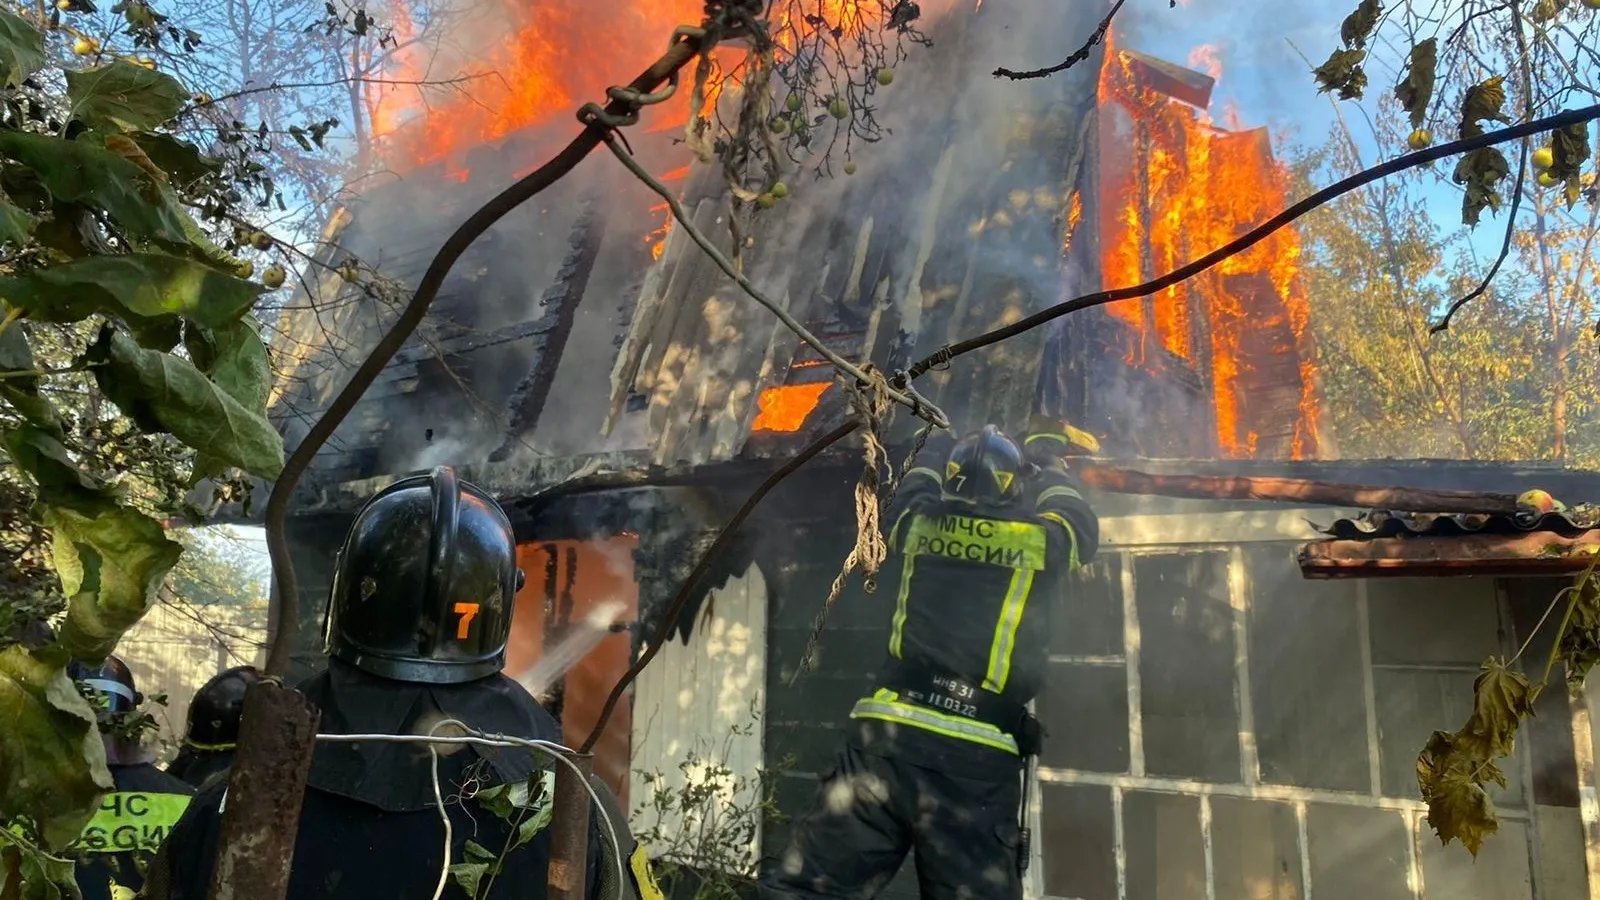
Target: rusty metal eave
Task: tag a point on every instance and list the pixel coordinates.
(1537, 553)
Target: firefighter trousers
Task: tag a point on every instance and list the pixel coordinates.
(872, 809)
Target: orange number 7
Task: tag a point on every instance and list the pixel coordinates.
(467, 611)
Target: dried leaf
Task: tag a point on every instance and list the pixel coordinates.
(1579, 646)
(1416, 87)
(1545, 10)
(1480, 171)
(1358, 26)
(1483, 102)
(1343, 73)
(1502, 698)
(1569, 148)
(1461, 810)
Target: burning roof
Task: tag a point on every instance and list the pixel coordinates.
(951, 226)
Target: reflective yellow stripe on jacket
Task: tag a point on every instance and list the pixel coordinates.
(887, 706)
(129, 821)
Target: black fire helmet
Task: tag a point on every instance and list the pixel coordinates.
(424, 586)
(110, 683)
(984, 467)
(215, 711)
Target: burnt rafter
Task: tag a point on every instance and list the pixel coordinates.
(560, 305)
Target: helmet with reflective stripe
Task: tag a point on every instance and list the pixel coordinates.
(984, 467)
(110, 684)
(424, 586)
(217, 707)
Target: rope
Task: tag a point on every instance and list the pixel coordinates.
(870, 405)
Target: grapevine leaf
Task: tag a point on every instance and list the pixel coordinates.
(1416, 88)
(468, 875)
(164, 393)
(21, 49)
(1502, 698)
(235, 360)
(79, 172)
(121, 96)
(111, 560)
(1461, 810)
(1579, 646)
(45, 459)
(52, 763)
(147, 285)
(1480, 172)
(1343, 73)
(1483, 102)
(1358, 26)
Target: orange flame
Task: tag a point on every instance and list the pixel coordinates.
(786, 407)
(1174, 187)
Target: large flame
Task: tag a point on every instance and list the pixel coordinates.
(1174, 187)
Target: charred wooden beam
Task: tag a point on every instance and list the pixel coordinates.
(1537, 553)
(561, 303)
(1290, 490)
(265, 790)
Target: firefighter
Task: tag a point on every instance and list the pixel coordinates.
(144, 802)
(417, 622)
(213, 726)
(936, 756)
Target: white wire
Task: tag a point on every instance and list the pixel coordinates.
(553, 749)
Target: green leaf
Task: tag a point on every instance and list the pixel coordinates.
(21, 49)
(79, 172)
(1416, 87)
(121, 96)
(1480, 172)
(164, 393)
(476, 852)
(531, 826)
(199, 244)
(111, 560)
(1358, 26)
(181, 160)
(235, 359)
(40, 875)
(45, 459)
(1343, 73)
(22, 392)
(52, 763)
(1483, 102)
(468, 875)
(15, 225)
(148, 285)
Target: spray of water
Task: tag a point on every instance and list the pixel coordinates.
(560, 657)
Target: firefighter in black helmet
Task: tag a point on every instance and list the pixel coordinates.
(144, 802)
(213, 726)
(935, 756)
(417, 622)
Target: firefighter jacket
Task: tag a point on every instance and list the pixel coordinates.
(974, 587)
(131, 824)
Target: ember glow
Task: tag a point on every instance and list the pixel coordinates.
(1172, 188)
(786, 407)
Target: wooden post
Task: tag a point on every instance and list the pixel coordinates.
(569, 841)
(261, 818)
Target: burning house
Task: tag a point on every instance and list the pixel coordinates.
(1219, 727)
